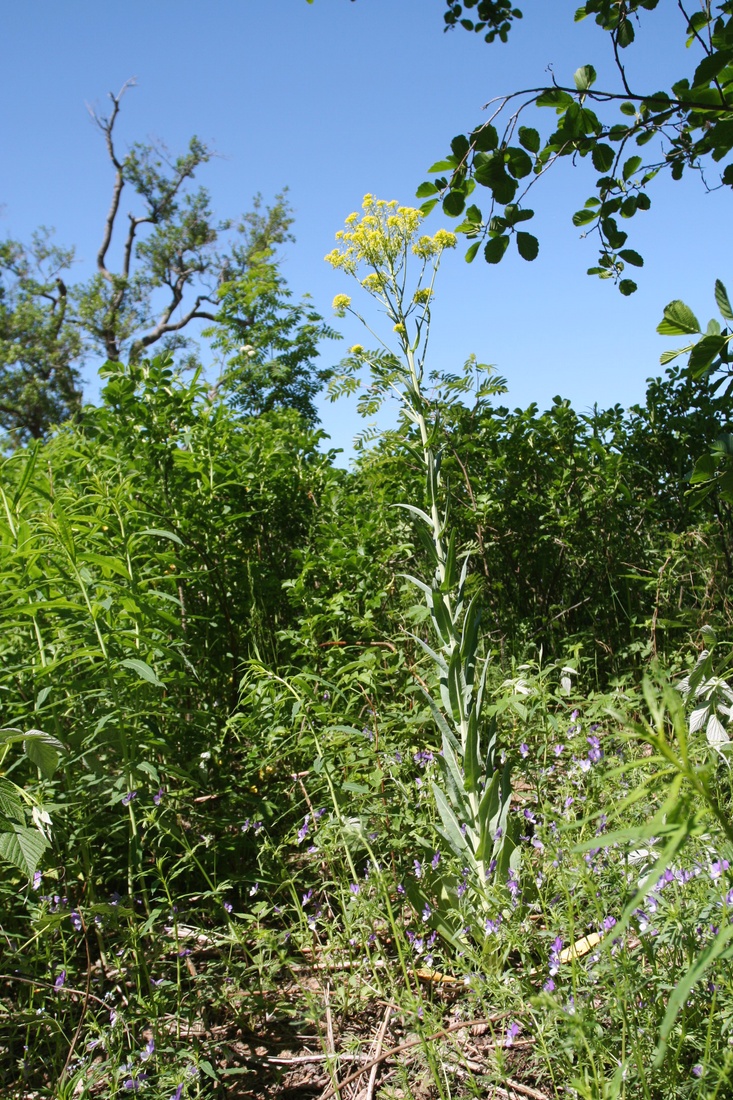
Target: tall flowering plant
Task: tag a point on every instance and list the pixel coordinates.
(385, 251)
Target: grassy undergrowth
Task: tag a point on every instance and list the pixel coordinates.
(276, 829)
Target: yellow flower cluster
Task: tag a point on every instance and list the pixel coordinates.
(340, 304)
(422, 297)
(381, 237)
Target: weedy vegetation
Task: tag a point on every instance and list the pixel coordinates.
(406, 781)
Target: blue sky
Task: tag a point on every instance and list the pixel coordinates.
(336, 99)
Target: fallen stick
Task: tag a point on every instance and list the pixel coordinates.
(408, 1044)
(377, 1050)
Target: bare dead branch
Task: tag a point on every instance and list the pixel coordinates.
(106, 125)
(165, 325)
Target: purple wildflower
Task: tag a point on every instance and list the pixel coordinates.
(127, 800)
(549, 986)
(60, 980)
(558, 750)
(134, 1084)
(512, 885)
(555, 950)
(717, 868)
(148, 1051)
(511, 1033)
(75, 920)
(354, 888)
(418, 868)
(524, 750)
(158, 798)
(435, 861)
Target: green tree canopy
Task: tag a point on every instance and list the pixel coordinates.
(165, 261)
(630, 134)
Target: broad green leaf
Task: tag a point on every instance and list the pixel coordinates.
(704, 352)
(678, 320)
(529, 138)
(625, 33)
(23, 847)
(603, 157)
(553, 97)
(453, 204)
(528, 246)
(143, 670)
(443, 166)
(627, 286)
(633, 164)
(471, 252)
(11, 806)
(519, 162)
(495, 249)
(43, 751)
(485, 138)
(584, 78)
(631, 257)
(459, 147)
(584, 217)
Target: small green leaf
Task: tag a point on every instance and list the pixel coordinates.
(631, 257)
(625, 33)
(678, 320)
(471, 252)
(627, 286)
(495, 249)
(584, 217)
(722, 300)
(633, 164)
(603, 157)
(159, 533)
(627, 109)
(443, 166)
(529, 138)
(485, 139)
(585, 78)
(459, 147)
(453, 204)
(553, 97)
(518, 162)
(528, 246)
(425, 190)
